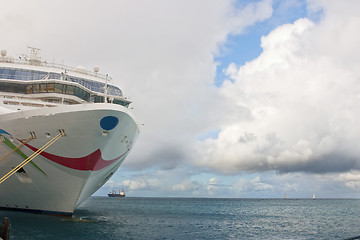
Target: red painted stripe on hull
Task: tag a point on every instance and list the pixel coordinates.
(91, 162)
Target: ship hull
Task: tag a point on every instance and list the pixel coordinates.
(98, 137)
(115, 195)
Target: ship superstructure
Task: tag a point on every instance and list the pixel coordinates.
(70, 128)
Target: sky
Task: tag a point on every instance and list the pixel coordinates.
(237, 98)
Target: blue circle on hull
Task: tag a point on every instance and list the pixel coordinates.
(109, 122)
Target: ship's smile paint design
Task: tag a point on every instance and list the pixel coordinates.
(91, 162)
(109, 122)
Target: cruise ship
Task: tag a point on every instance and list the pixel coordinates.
(64, 132)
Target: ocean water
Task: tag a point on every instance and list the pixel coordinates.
(194, 218)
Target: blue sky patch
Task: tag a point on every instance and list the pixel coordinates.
(245, 47)
(214, 134)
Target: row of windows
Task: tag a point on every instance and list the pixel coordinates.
(55, 88)
(28, 75)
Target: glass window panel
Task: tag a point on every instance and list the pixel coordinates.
(42, 75)
(6, 73)
(18, 74)
(99, 99)
(4, 87)
(11, 73)
(54, 76)
(31, 75)
(51, 87)
(79, 92)
(87, 96)
(43, 88)
(70, 89)
(20, 88)
(7, 87)
(125, 104)
(29, 89)
(36, 75)
(58, 88)
(112, 90)
(25, 75)
(36, 88)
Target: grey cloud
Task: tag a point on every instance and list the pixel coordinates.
(336, 162)
(247, 137)
(168, 157)
(303, 95)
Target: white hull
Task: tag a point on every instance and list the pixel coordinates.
(71, 169)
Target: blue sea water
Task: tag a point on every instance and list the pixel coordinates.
(194, 218)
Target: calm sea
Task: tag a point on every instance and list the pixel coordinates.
(195, 218)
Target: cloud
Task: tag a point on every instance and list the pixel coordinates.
(173, 88)
(188, 186)
(295, 107)
(161, 53)
(175, 182)
(212, 186)
(244, 185)
(179, 183)
(350, 179)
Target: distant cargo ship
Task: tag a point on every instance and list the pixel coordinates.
(114, 194)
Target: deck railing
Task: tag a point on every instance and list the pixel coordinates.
(105, 77)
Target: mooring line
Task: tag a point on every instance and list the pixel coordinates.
(32, 156)
(31, 137)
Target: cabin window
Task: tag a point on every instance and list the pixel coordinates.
(43, 88)
(70, 89)
(5, 73)
(11, 73)
(9, 87)
(19, 74)
(28, 88)
(125, 104)
(54, 76)
(51, 87)
(26, 75)
(98, 99)
(81, 94)
(58, 88)
(36, 88)
(35, 75)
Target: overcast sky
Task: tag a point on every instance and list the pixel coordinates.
(238, 98)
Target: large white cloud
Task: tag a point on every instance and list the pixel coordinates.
(161, 53)
(296, 107)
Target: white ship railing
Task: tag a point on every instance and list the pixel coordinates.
(33, 62)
